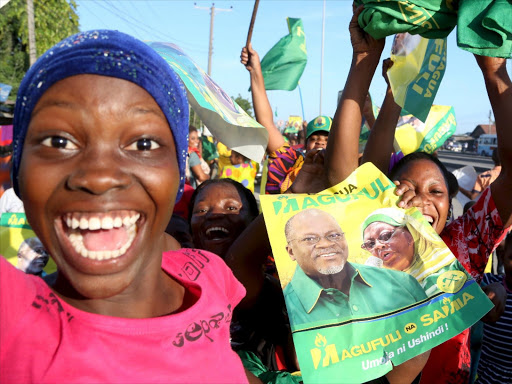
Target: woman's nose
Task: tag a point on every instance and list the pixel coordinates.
(99, 172)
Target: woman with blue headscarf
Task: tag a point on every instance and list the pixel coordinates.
(100, 141)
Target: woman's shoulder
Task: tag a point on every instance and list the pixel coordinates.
(201, 267)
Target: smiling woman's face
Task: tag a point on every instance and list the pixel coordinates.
(397, 252)
(98, 178)
(219, 216)
(426, 179)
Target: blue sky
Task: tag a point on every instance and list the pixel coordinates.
(182, 23)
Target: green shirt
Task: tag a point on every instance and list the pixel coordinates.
(209, 149)
(380, 291)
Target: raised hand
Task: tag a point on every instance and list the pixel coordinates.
(250, 58)
(362, 42)
(312, 177)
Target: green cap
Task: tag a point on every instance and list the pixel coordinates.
(320, 123)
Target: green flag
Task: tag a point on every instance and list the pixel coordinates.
(283, 65)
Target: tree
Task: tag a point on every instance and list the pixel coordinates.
(245, 104)
(54, 20)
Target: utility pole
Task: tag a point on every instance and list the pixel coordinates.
(212, 18)
(31, 32)
(322, 60)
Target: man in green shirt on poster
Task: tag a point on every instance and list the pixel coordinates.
(326, 289)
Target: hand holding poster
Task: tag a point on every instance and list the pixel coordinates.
(229, 123)
(366, 284)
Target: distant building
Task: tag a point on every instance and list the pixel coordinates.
(483, 128)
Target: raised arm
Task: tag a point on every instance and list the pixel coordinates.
(499, 89)
(262, 110)
(380, 142)
(343, 145)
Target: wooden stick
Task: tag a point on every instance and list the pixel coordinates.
(253, 19)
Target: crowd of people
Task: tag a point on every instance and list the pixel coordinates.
(165, 270)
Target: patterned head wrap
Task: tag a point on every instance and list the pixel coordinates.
(106, 53)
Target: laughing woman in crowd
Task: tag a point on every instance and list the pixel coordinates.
(422, 181)
(100, 140)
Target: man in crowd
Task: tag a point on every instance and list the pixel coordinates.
(484, 179)
(326, 287)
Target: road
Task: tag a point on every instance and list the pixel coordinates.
(454, 160)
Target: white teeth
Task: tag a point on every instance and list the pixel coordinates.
(77, 241)
(222, 229)
(134, 218)
(84, 223)
(118, 222)
(107, 223)
(94, 224)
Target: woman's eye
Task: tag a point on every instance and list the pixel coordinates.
(143, 145)
(232, 208)
(58, 142)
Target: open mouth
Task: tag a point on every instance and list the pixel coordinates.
(101, 236)
(429, 218)
(217, 233)
(327, 254)
(385, 255)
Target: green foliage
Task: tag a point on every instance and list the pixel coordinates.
(194, 118)
(54, 20)
(245, 104)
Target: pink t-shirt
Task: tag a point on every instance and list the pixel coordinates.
(45, 340)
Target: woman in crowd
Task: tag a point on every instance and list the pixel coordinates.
(100, 140)
(224, 220)
(422, 180)
(403, 243)
(197, 169)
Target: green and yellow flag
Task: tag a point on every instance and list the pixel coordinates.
(418, 68)
(414, 136)
(284, 64)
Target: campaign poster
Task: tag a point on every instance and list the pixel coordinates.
(21, 247)
(366, 284)
(229, 123)
(413, 135)
(418, 68)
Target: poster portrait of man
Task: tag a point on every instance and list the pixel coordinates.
(326, 287)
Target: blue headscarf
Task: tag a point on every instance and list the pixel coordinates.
(106, 53)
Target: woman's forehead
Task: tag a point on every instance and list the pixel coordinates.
(420, 169)
(379, 225)
(219, 191)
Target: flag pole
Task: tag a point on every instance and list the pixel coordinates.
(301, 102)
(253, 19)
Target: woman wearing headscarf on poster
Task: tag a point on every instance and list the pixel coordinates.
(401, 242)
